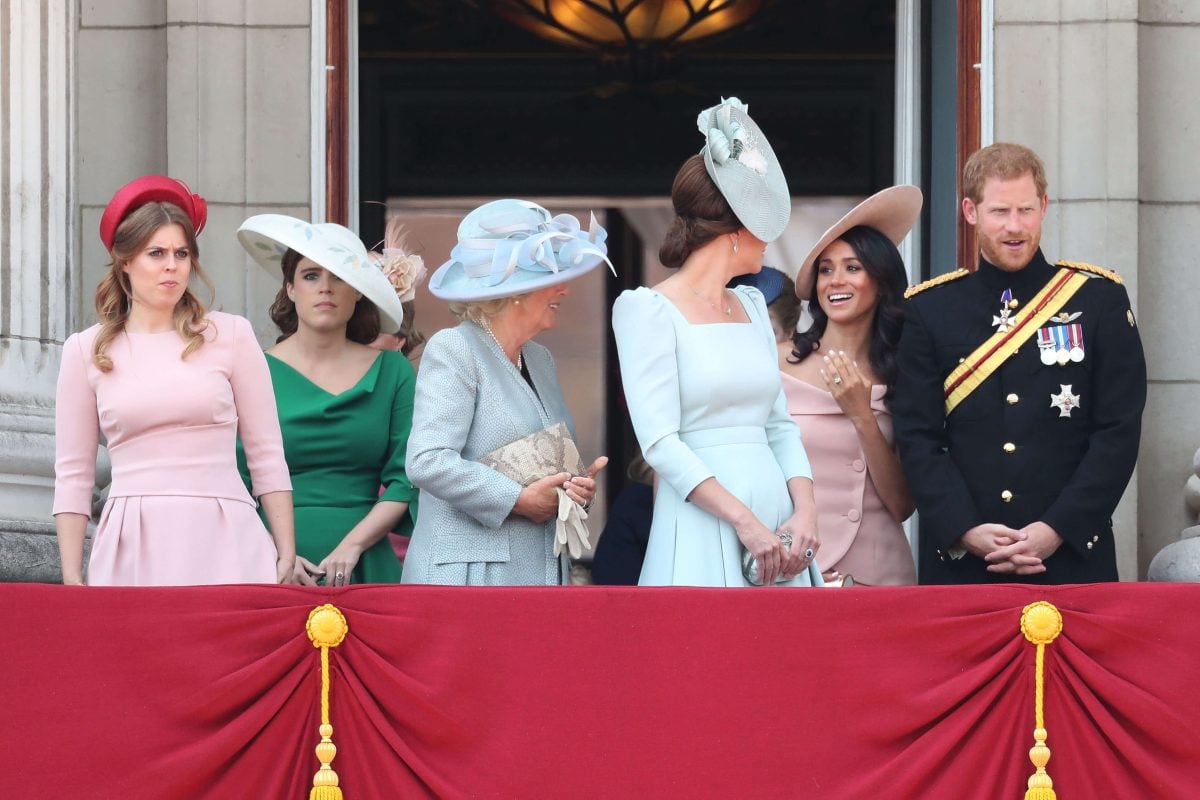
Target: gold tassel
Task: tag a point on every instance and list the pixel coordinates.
(326, 628)
(1041, 623)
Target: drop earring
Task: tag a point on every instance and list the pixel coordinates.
(735, 242)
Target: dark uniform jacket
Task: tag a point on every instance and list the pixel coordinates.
(1007, 453)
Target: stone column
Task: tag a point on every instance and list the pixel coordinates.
(37, 270)
(1067, 85)
(1169, 220)
(1180, 561)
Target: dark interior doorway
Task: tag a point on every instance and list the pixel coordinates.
(455, 101)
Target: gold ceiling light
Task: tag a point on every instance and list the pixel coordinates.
(616, 25)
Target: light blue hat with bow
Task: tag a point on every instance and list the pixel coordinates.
(510, 247)
(740, 161)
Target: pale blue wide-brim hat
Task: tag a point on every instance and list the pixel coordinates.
(510, 247)
(740, 161)
(267, 237)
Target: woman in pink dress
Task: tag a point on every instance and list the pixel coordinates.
(838, 377)
(170, 386)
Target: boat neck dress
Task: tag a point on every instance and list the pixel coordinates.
(859, 536)
(177, 511)
(706, 401)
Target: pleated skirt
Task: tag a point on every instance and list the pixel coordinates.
(173, 540)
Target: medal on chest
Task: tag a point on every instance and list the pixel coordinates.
(1064, 401)
(1061, 344)
(1002, 322)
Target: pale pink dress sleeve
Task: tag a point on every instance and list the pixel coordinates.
(76, 433)
(258, 416)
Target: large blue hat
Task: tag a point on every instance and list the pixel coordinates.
(510, 247)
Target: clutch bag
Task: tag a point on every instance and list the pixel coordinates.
(750, 570)
(537, 455)
(547, 452)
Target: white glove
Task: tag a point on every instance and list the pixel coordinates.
(570, 533)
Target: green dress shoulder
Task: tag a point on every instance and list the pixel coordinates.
(340, 450)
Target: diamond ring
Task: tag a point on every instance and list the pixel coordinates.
(837, 380)
(808, 553)
(786, 538)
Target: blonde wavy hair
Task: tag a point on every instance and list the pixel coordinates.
(481, 312)
(114, 295)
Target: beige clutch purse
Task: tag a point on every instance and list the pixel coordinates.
(546, 452)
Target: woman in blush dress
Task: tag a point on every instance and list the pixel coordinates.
(171, 386)
(698, 365)
(838, 376)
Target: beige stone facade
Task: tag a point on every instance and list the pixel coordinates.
(218, 92)
(1105, 90)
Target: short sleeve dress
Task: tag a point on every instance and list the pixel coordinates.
(340, 449)
(706, 401)
(859, 536)
(177, 512)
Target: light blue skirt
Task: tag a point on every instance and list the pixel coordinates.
(690, 547)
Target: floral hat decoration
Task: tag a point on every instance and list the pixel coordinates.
(742, 164)
(403, 269)
(509, 247)
(267, 237)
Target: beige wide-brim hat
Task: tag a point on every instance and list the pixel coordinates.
(267, 237)
(892, 212)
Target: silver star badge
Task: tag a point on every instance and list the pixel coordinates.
(1065, 402)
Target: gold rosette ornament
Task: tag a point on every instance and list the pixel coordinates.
(326, 628)
(1041, 623)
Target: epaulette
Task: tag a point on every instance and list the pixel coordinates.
(938, 281)
(1085, 267)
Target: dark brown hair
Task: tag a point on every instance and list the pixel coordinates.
(701, 214)
(363, 326)
(413, 338)
(787, 306)
(1004, 161)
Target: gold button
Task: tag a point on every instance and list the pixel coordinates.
(1012, 399)
(1006, 496)
(1091, 545)
(1009, 447)
(961, 360)
(1013, 303)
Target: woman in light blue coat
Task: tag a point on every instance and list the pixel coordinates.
(484, 384)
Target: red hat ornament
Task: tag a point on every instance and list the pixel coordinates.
(151, 189)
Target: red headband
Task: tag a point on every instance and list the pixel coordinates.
(150, 189)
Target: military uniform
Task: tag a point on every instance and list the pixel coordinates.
(1051, 435)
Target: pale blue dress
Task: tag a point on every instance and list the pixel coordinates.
(707, 401)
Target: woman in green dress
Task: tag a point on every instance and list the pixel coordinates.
(345, 408)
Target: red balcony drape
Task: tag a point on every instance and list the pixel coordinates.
(598, 692)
